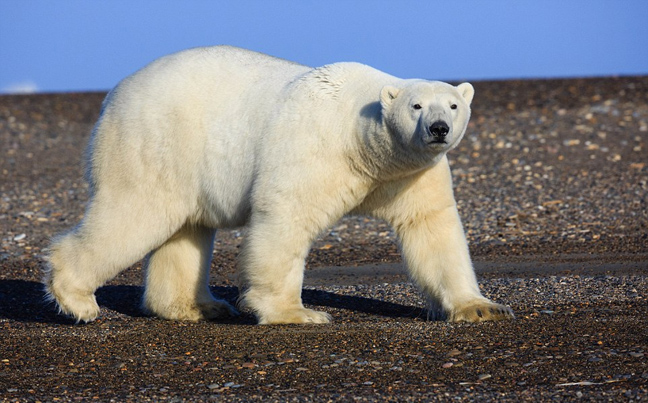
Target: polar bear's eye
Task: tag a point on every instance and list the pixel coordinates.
(416, 106)
(453, 106)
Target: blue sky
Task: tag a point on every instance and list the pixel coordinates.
(63, 45)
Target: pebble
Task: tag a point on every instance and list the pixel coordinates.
(571, 142)
(453, 353)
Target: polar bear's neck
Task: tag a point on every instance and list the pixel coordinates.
(381, 157)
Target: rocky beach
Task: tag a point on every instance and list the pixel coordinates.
(551, 181)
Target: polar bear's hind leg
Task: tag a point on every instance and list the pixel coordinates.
(177, 278)
(108, 240)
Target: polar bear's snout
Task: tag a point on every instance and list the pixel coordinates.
(438, 132)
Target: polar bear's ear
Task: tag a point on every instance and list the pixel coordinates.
(467, 91)
(387, 95)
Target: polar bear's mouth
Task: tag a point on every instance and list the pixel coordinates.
(432, 139)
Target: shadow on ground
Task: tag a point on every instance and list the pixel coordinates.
(25, 301)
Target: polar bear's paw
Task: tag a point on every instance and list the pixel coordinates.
(217, 309)
(81, 306)
(296, 315)
(213, 309)
(71, 300)
(481, 310)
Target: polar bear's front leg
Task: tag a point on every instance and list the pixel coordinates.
(272, 272)
(423, 212)
(438, 260)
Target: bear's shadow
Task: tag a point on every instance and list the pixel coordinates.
(25, 301)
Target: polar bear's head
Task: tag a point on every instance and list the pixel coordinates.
(427, 115)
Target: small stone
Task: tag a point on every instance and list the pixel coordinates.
(302, 369)
(636, 355)
(19, 237)
(213, 386)
(368, 383)
(453, 353)
(483, 377)
(447, 365)
(248, 365)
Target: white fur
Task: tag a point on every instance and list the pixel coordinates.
(223, 137)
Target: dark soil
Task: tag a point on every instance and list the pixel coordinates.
(551, 182)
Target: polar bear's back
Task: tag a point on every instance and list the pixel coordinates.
(205, 75)
(186, 119)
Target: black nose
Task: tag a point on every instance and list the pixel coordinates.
(439, 129)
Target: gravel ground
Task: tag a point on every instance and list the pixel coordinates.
(552, 184)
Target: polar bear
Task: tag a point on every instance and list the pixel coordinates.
(222, 137)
